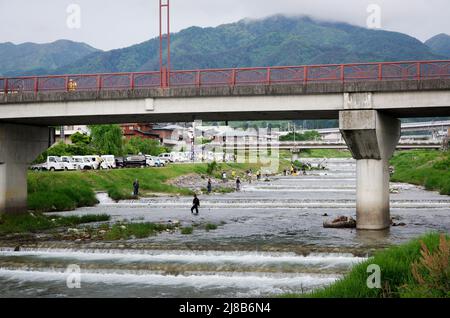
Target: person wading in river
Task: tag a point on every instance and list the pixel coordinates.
(238, 184)
(209, 187)
(196, 204)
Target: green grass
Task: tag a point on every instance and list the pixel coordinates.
(210, 227)
(32, 223)
(395, 263)
(317, 153)
(187, 230)
(65, 191)
(325, 153)
(137, 230)
(429, 168)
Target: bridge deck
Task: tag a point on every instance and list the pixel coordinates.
(401, 89)
(335, 73)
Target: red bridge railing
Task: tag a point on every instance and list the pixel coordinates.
(230, 77)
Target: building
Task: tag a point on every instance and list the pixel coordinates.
(68, 131)
(150, 131)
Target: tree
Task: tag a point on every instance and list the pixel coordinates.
(107, 139)
(78, 137)
(145, 146)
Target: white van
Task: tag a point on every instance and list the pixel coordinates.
(167, 157)
(53, 163)
(68, 163)
(109, 162)
(83, 163)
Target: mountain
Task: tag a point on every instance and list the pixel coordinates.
(277, 40)
(32, 58)
(440, 44)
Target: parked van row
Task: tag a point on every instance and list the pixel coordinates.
(71, 163)
(68, 163)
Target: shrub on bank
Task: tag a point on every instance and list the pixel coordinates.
(416, 269)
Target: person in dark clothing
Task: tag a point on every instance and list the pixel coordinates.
(304, 169)
(238, 184)
(196, 204)
(136, 187)
(209, 187)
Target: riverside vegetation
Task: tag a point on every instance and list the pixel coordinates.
(90, 227)
(420, 268)
(429, 168)
(65, 191)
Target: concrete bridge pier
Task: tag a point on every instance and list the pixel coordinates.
(372, 138)
(19, 146)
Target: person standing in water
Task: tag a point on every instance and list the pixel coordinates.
(238, 184)
(196, 204)
(209, 187)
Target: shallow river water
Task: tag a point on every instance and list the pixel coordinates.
(270, 240)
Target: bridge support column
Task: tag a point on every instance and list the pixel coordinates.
(19, 146)
(372, 138)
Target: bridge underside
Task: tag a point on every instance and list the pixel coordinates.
(179, 117)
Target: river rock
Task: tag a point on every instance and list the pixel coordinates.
(341, 222)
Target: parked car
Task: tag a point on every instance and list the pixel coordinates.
(159, 162)
(135, 161)
(150, 161)
(108, 162)
(96, 161)
(167, 156)
(53, 163)
(68, 163)
(83, 163)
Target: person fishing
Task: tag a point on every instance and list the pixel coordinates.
(238, 184)
(209, 186)
(196, 204)
(136, 187)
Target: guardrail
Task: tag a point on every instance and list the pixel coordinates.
(417, 70)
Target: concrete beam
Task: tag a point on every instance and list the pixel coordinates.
(19, 146)
(372, 139)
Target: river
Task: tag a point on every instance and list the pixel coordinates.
(269, 241)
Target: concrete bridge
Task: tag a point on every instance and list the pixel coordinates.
(430, 126)
(367, 99)
(287, 145)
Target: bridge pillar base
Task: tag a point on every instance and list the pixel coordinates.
(372, 138)
(19, 146)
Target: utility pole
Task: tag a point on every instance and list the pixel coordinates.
(164, 9)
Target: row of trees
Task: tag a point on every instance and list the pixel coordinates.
(104, 140)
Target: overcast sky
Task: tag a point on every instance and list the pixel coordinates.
(109, 24)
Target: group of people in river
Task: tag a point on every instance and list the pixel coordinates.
(209, 187)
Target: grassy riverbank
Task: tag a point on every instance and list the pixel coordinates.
(33, 223)
(429, 168)
(64, 191)
(317, 153)
(407, 270)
